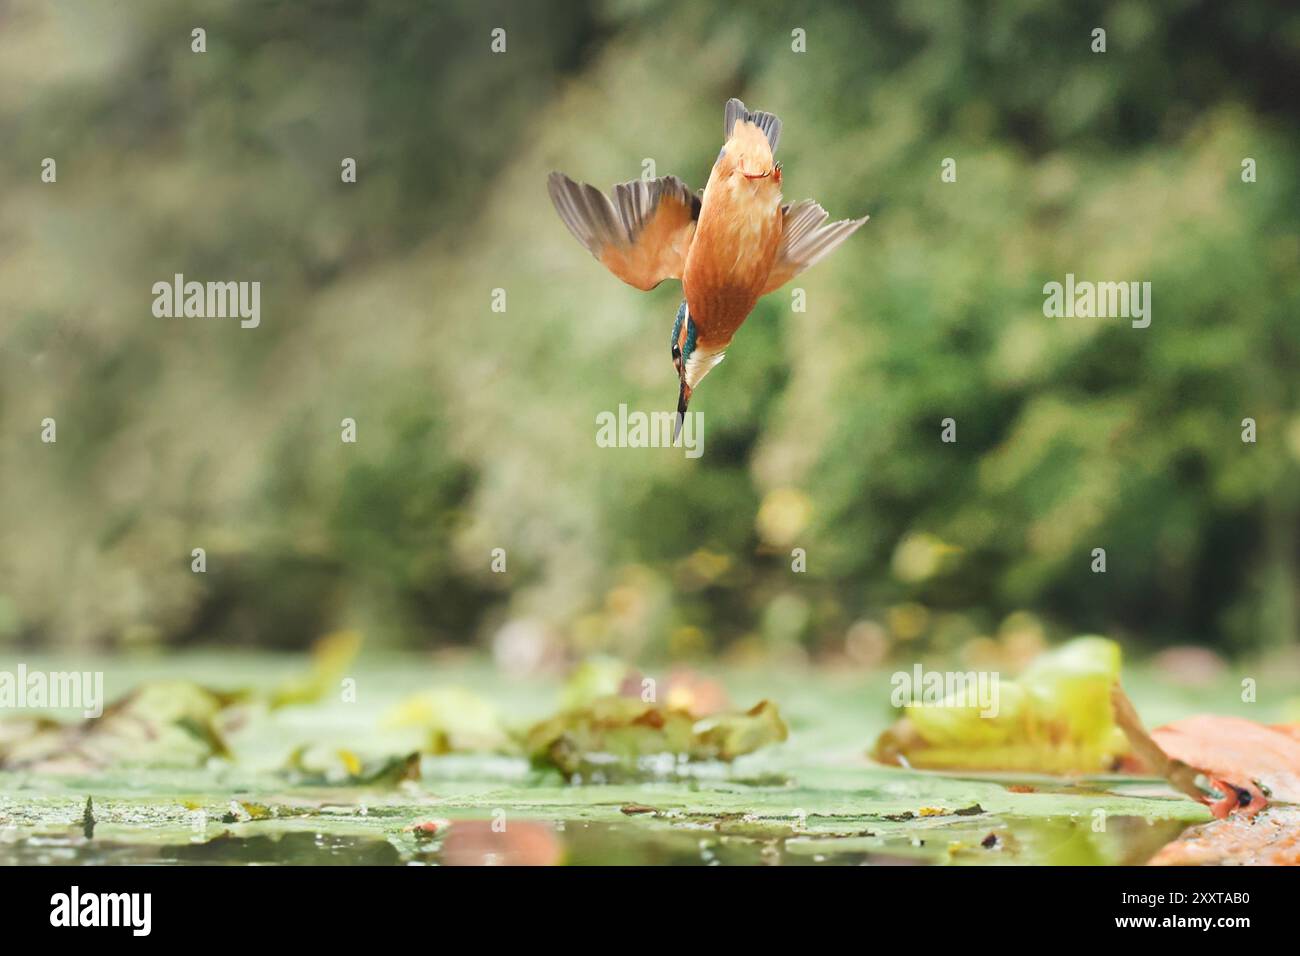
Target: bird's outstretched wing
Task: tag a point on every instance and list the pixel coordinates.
(642, 235)
(806, 238)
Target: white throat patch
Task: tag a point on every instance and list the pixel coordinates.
(701, 360)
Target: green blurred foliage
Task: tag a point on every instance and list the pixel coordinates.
(476, 429)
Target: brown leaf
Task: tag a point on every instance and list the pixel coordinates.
(1248, 763)
(1272, 839)
(487, 843)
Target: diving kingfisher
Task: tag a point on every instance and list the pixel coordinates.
(729, 246)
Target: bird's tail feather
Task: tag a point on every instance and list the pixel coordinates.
(769, 123)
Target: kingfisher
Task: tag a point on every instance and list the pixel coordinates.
(729, 245)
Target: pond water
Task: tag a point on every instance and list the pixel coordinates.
(337, 781)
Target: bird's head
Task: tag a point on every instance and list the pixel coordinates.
(748, 154)
(691, 360)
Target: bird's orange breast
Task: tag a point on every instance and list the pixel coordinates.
(731, 254)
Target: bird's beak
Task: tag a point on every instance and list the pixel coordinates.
(683, 399)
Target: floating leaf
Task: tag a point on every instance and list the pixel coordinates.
(343, 768)
(623, 730)
(1055, 718)
(1247, 763)
(170, 723)
(728, 736)
(453, 720)
(1272, 839)
(332, 655)
(513, 843)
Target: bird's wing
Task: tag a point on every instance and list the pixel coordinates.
(806, 238)
(642, 235)
(767, 122)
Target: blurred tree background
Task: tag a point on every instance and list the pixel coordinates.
(476, 429)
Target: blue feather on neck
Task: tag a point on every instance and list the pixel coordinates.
(689, 345)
